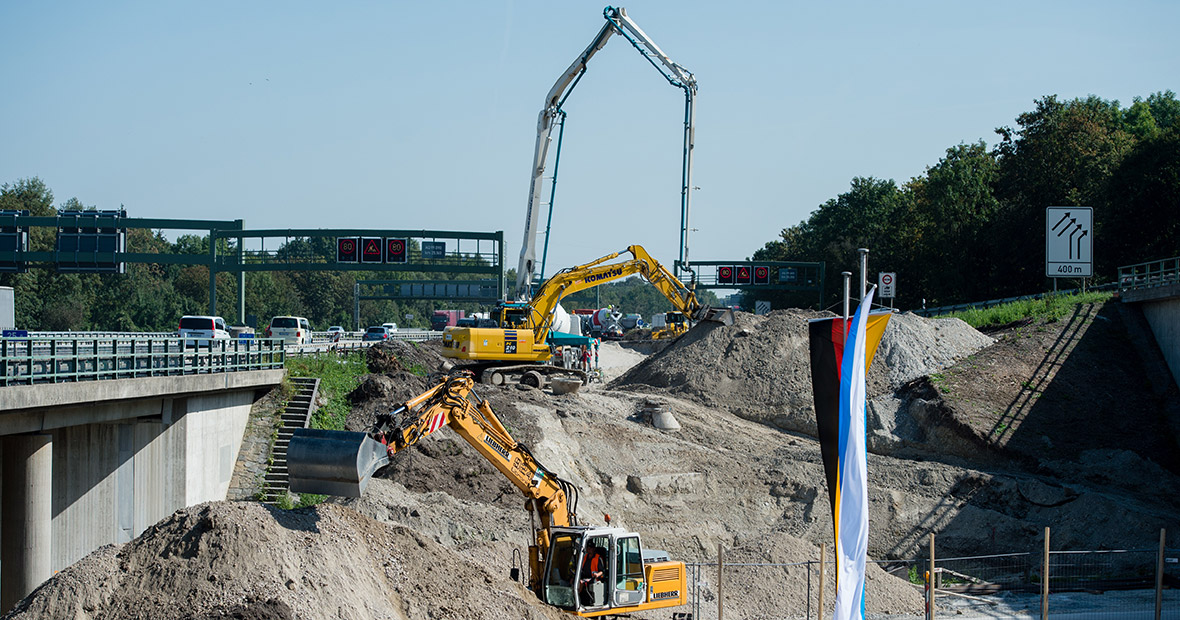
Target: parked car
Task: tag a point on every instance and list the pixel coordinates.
(201, 330)
(375, 333)
(290, 329)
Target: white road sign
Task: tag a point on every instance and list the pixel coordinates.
(1069, 242)
(886, 285)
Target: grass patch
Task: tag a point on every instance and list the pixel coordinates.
(338, 376)
(1049, 308)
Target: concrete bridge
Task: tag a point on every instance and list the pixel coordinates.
(90, 463)
(1155, 288)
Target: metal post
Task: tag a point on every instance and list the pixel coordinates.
(241, 279)
(823, 554)
(356, 306)
(1045, 578)
(720, 569)
(1159, 575)
(847, 282)
(930, 582)
(864, 272)
(213, 271)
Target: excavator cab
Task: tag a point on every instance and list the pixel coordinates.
(631, 579)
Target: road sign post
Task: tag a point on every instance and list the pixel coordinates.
(887, 284)
(1069, 241)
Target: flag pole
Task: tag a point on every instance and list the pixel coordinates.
(847, 282)
(864, 271)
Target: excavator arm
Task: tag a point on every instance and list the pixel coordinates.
(315, 464)
(600, 271)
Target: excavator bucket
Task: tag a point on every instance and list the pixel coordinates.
(333, 462)
(718, 315)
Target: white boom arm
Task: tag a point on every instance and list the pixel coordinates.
(617, 22)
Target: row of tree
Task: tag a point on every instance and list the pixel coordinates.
(972, 226)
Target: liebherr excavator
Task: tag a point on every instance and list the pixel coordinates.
(633, 579)
(520, 347)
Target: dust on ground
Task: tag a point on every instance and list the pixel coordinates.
(436, 532)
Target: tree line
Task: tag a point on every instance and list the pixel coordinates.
(971, 227)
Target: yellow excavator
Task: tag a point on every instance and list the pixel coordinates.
(520, 349)
(562, 570)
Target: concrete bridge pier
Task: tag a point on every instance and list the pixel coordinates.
(27, 515)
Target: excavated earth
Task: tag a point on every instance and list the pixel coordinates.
(983, 440)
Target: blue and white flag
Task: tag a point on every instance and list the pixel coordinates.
(840, 356)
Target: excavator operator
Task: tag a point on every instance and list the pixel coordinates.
(593, 572)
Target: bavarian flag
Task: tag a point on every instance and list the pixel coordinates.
(840, 356)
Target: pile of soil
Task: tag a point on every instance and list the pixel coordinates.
(389, 356)
(245, 560)
(759, 368)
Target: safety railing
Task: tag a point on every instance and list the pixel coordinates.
(35, 360)
(1149, 275)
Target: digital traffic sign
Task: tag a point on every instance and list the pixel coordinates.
(371, 250)
(395, 250)
(347, 249)
(761, 274)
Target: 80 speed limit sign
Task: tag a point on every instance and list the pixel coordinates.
(887, 284)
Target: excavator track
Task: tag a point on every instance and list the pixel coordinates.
(528, 374)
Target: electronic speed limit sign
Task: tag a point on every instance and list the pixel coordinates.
(887, 285)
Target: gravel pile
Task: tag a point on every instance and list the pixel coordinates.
(759, 368)
(244, 560)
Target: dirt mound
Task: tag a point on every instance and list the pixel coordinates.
(444, 461)
(243, 560)
(759, 368)
(390, 356)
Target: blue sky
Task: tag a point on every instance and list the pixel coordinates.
(423, 115)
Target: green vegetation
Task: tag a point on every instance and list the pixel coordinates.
(338, 376)
(971, 226)
(1049, 308)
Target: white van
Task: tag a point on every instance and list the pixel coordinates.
(201, 330)
(290, 329)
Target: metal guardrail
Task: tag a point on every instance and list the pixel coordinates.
(37, 360)
(1149, 275)
(939, 310)
(81, 334)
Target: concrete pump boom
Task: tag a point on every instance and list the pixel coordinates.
(552, 115)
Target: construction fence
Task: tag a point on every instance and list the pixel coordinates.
(1109, 583)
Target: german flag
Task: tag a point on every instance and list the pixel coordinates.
(841, 354)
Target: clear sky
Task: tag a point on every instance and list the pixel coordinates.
(423, 115)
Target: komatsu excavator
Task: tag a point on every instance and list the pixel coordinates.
(631, 578)
(519, 347)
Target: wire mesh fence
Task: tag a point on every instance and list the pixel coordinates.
(1108, 583)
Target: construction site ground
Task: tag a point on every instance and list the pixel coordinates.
(982, 439)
